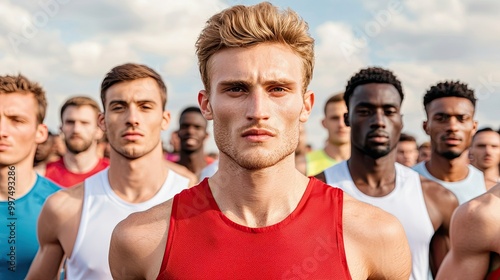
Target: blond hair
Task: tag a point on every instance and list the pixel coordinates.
(246, 26)
(21, 84)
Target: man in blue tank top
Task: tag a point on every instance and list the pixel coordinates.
(22, 191)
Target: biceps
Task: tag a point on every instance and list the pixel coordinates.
(458, 265)
(47, 261)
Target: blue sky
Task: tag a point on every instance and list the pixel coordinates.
(69, 45)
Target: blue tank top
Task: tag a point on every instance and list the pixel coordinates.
(18, 240)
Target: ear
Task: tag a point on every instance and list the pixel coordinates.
(42, 132)
(323, 122)
(165, 120)
(204, 103)
(346, 119)
(98, 133)
(425, 126)
(474, 128)
(101, 122)
(307, 105)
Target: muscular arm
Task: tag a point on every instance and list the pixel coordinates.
(138, 244)
(375, 242)
(474, 229)
(57, 228)
(440, 203)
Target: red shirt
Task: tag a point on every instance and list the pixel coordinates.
(57, 172)
(203, 243)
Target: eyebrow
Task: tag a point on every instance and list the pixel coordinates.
(371, 105)
(123, 102)
(247, 84)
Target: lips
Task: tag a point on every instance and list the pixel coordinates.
(4, 147)
(132, 135)
(257, 134)
(452, 140)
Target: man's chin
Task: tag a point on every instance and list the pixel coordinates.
(451, 154)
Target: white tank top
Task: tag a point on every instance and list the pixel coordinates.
(406, 202)
(102, 211)
(470, 187)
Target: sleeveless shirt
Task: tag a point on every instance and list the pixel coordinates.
(406, 202)
(470, 187)
(203, 243)
(102, 211)
(59, 174)
(18, 240)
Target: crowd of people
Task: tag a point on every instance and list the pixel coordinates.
(104, 199)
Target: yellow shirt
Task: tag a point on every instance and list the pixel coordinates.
(317, 161)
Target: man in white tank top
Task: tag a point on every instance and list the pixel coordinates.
(450, 124)
(424, 208)
(78, 222)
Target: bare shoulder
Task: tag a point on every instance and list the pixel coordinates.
(64, 203)
(138, 243)
(360, 217)
(183, 171)
(440, 196)
(479, 218)
(440, 201)
(376, 244)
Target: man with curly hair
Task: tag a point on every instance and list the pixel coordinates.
(374, 97)
(450, 108)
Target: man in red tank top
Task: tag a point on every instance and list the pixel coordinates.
(258, 217)
(81, 133)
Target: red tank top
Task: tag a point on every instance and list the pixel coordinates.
(57, 173)
(203, 243)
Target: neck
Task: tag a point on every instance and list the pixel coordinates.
(19, 177)
(194, 161)
(491, 173)
(258, 198)
(82, 162)
(375, 177)
(137, 180)
(338, 152)
(448, 170)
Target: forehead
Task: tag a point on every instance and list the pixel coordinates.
(376, 94)
(407, 144)
(192, 118)
(450, 105)
(84, 112)
(336, 108)
(134, 91)
(19, 104)
(260, 63)
(487, 137)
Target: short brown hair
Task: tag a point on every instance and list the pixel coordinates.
(19, 83)
(339, 97)
(245, 26)
(424, 145)
(79, 101)
(130, 72)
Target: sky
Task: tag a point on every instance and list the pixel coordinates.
(69, 45)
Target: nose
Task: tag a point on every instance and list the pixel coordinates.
(258, 105)
(452, 124)
(132, 116)
(3, 127)
(378, 119)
